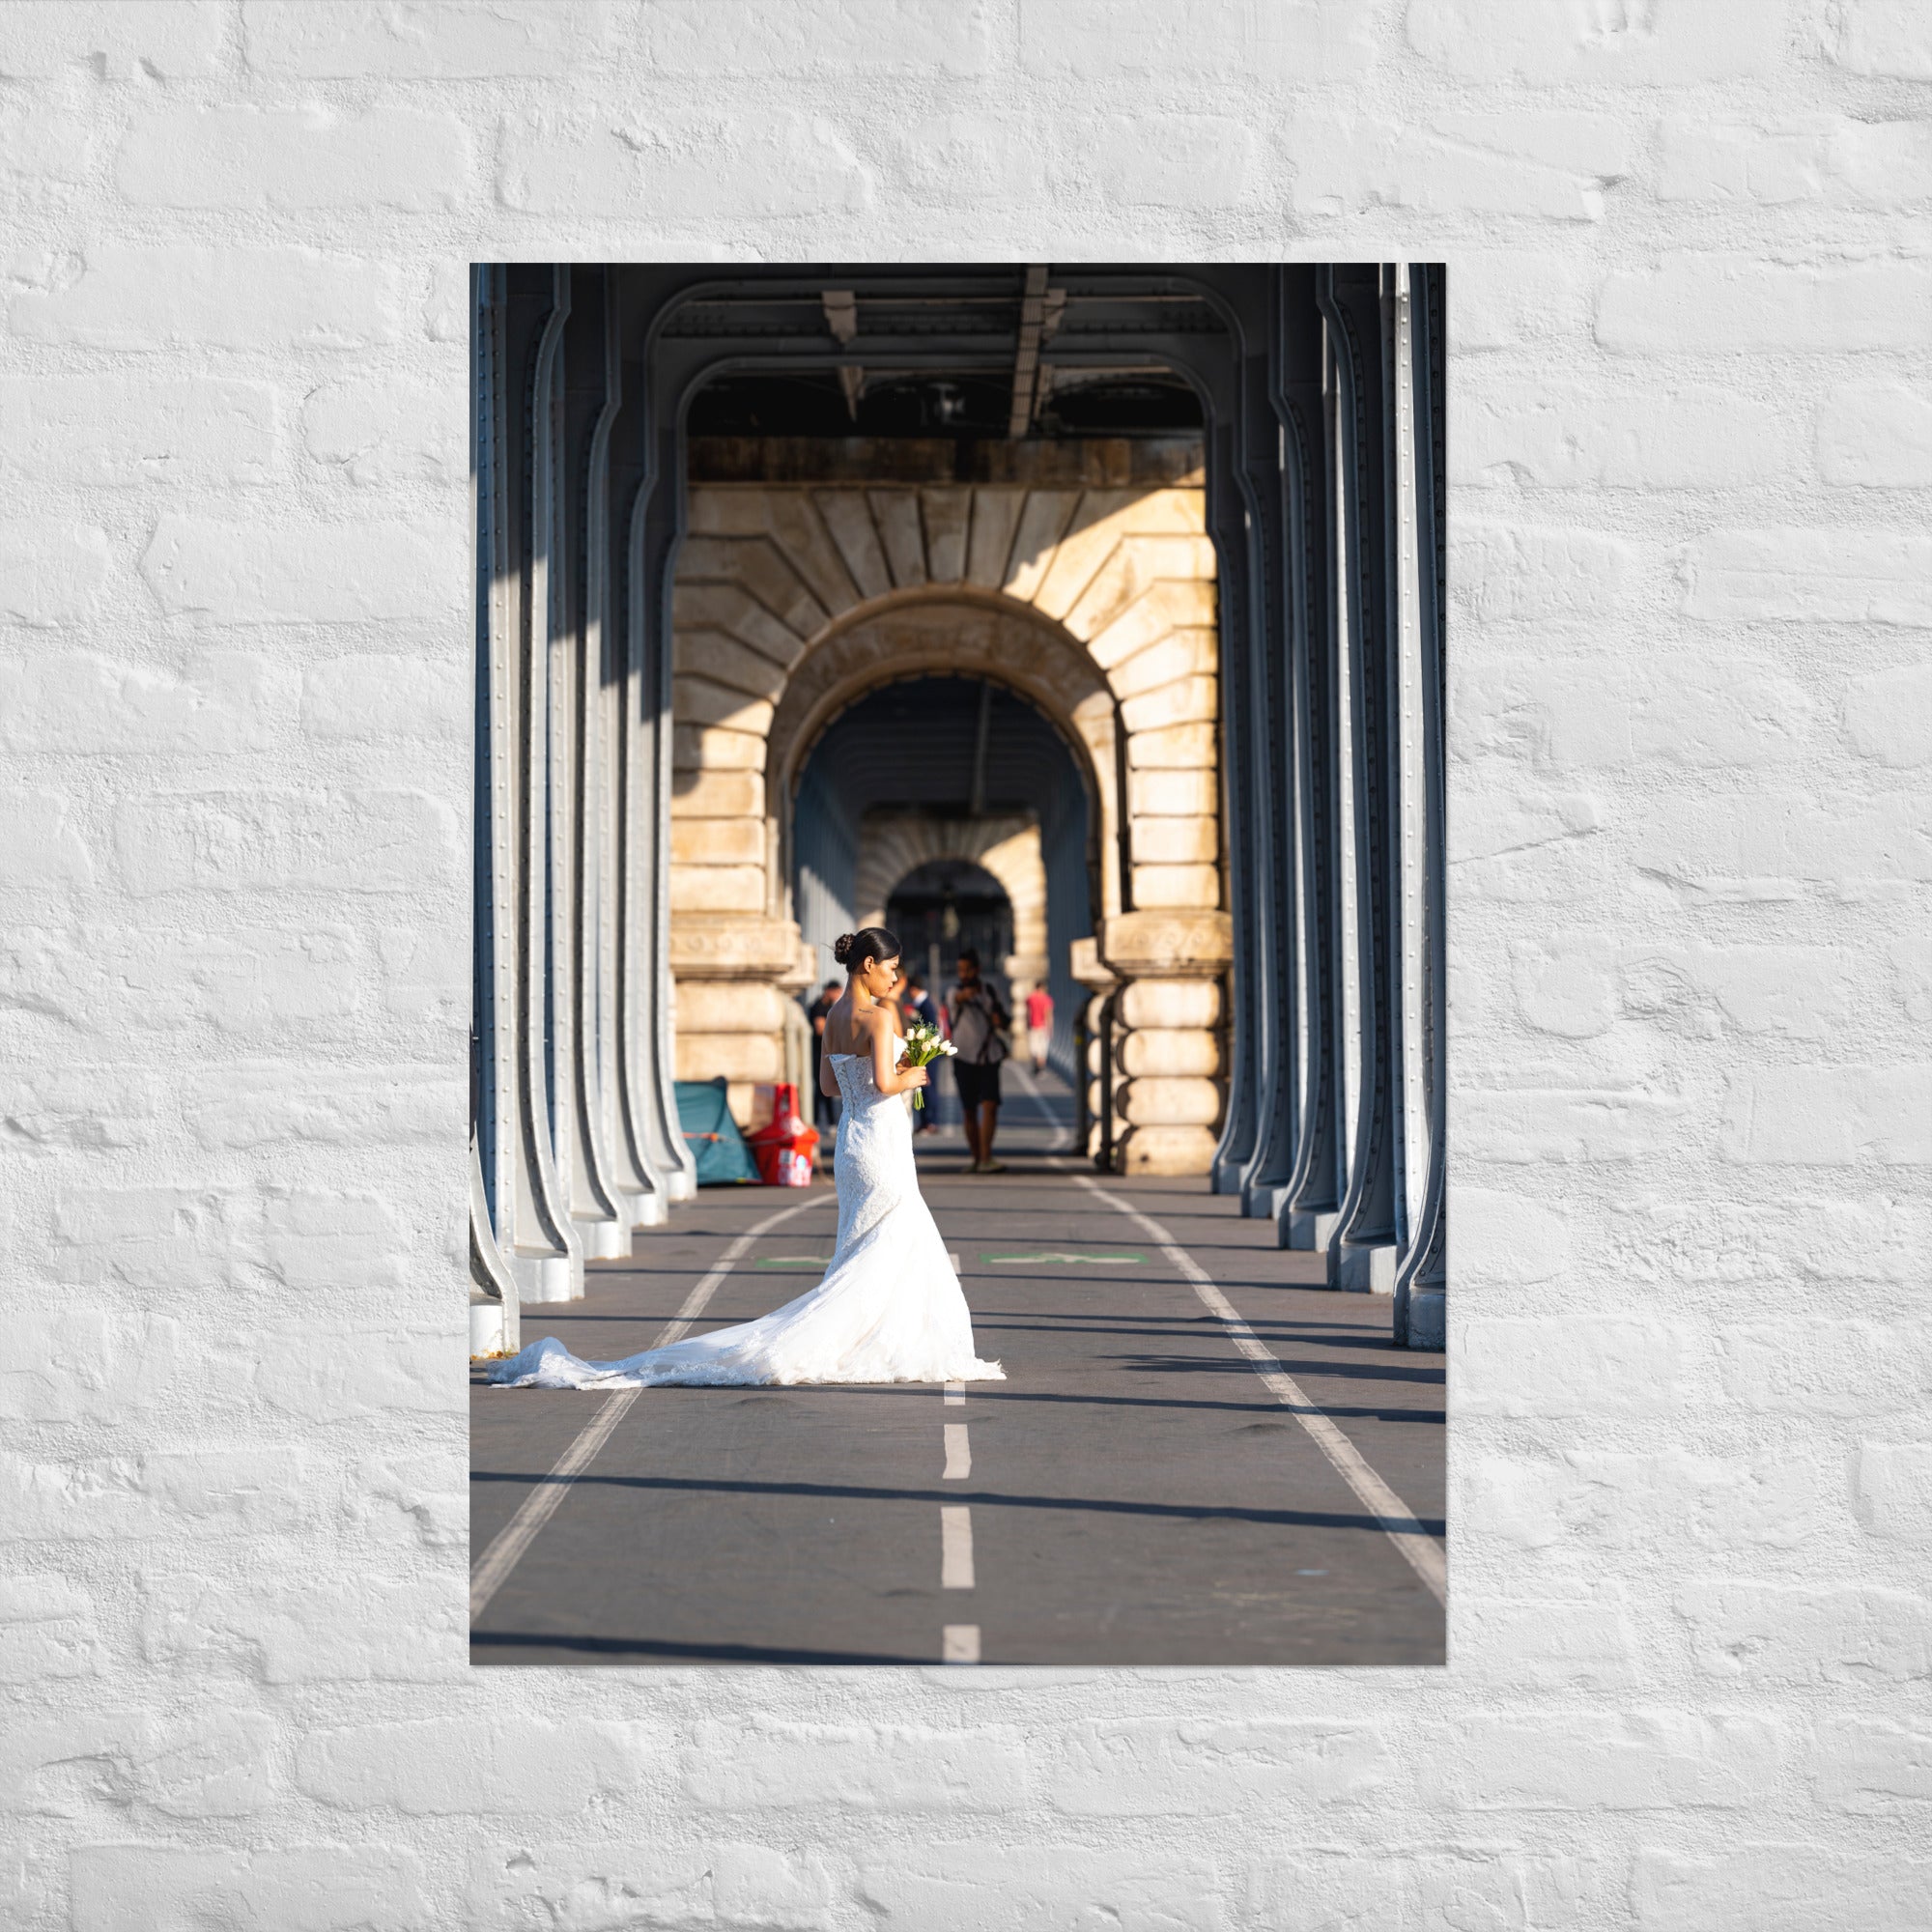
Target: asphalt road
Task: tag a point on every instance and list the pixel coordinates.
(1134, 1492)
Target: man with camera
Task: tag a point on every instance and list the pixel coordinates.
(978, 1038)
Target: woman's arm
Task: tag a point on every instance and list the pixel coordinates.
(891, 1079)
(828, 1080)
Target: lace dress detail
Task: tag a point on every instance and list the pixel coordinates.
(889, 1308)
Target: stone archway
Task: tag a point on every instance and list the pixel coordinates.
(894, 844)
(792, 601)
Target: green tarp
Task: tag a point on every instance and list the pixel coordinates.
(712, 1135)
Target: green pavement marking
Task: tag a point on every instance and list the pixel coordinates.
(793, 1260)
(1056, 1257)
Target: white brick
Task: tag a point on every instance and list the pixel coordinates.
(1890, 38)
(44, 142)
(1201, 161)
(1518, 299)
(578, 165)
(116, 430)
(1690, 709)
(703, 39)
(1831, 1116)
(295, 1888)
(452, 39)
(47, 38)
(1668, 45)
(489, 1764)
(1864, 1764)
(1624, 436)
(1735, 305)
(131, 296)
(1850, 1368)
(367, 1630)
(221, 702)
(253, 1103)
(312, 574)
(251, 1492)
(256, 840)
(154, 1236)
(1780, 846)
(1298, 41)
(342, 1244)
(1543, 166)
(1776, 1886)
(717, 1884)
(1875, 434)
(38, 845)
(1787, 1633)
(237, 158)
(1161, 1767)
(766, 1763)
(1894, 1490)
(1511, 1238)
(1550, 1365)
(1640, 1761)
(953, 1886)
(248, 982)
(371, 700)
(51, 572)
(1504, 573)
(1703, 158)
(384, 429)
(49, 1629)
(77, 1107)
(1830, 576)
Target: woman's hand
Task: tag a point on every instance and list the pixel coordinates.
(916, 1076)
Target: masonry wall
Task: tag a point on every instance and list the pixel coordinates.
(1691, 719)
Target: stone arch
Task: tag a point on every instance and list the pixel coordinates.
(926, 633)
(792, 600)
(895, 845)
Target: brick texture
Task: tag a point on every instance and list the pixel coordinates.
(1691, 308)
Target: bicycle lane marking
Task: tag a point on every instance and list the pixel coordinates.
(506, 1549)
(1420, 1551)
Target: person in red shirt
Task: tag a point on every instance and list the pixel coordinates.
(1039, 1024)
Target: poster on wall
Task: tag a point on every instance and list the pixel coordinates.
(958, 1136)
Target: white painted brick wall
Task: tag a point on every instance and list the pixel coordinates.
(1692, 392)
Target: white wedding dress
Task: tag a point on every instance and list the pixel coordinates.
(889, 1308)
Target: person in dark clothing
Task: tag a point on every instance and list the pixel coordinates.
(825, 1111)
(920, 1006)
(978, 1037)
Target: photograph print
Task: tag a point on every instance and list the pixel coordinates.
(959, 1134)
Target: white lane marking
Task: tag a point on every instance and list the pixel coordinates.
(960, 1644)
(1424, 1554)
(507, 1547)
(958, 1454)
(1063, 1133)
(956, 1393)
(955, 1547)
(953, 1261)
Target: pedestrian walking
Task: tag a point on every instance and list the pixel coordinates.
(1039, 1024)
(979, 1024)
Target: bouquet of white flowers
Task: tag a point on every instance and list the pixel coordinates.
(923, 1046)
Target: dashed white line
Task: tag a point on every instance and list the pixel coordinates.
(956, 1393)
(507, 1547)
(955, 1547)
(960, 1644)
(958, 1454)
(1424, 1554)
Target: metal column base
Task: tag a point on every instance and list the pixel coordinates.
(1361, 1270)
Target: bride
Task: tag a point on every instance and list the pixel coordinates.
(889, 1308)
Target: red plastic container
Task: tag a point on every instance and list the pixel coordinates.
(785, 1146)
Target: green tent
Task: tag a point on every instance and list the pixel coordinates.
(712, 1135)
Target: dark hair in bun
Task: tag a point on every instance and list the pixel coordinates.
(852, 950)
